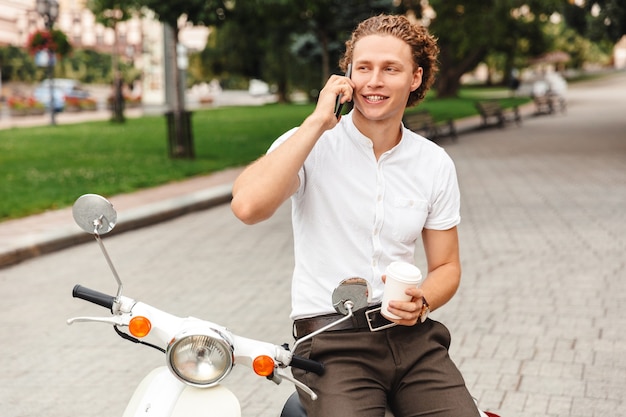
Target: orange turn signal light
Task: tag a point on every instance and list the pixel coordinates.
(139, 326)
(263, 365)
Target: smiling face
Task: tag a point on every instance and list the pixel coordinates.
(424, 48)
(383, 71)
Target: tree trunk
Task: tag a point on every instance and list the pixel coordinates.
(325, 57)
(282, 79)
(117, 115)
(448, 84)
(181, 144)
(449, 80)
(282, 89)
(118, 99)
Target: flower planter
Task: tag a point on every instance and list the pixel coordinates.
(36, 111)
(72, 109)
(24, 106)
(18, 112)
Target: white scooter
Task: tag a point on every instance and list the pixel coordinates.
(199, 354)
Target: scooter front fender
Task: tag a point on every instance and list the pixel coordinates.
(160, 394)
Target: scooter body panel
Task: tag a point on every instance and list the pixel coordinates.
(160, 394)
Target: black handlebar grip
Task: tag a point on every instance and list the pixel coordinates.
(307, 364)
(93, 296)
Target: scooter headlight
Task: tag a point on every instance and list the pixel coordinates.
(200, 358)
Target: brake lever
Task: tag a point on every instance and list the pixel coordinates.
(294, 381)
(114, 320)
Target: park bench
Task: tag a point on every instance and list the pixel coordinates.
(493, 114)
(548, 103)
(423, 123)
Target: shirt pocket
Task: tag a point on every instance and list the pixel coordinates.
(409, 217)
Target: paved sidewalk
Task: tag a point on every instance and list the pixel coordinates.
(7, 122)
(21, 239)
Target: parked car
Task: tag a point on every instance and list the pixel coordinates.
(63, 89)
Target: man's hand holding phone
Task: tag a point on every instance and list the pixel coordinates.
(338, 103)
(337, 89)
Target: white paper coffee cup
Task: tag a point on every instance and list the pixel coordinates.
(400, 276)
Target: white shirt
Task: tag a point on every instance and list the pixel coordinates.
(353, 215)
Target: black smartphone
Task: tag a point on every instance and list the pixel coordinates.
(338, 103)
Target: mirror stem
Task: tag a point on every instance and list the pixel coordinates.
(348, 304)
(106, 256)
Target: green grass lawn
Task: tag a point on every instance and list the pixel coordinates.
(48, 167)
(463, 106)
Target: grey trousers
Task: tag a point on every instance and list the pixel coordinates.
(405, 368)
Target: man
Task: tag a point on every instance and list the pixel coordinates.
(363, 190)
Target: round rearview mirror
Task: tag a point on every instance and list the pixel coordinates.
(357, 290)
(94, 214)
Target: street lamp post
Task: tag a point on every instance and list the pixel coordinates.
(49, 10)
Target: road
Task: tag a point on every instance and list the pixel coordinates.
(537, 324)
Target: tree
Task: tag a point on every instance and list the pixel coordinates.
(469, 30)
(254, 42)
(49, 40)
(199, 12)
(597, 20)
(287, 42)
(16, 65)
(580, 49)
(331, 22)
(110, 13)
(463, 38)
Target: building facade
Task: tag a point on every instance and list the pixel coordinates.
(19, 18)
(138, 41)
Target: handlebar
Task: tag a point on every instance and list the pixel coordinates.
(107, 301)
(307, 364)
(93, 296)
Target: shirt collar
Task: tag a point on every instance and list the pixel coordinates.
(360, 139)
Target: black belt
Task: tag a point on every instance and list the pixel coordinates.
(368, 318)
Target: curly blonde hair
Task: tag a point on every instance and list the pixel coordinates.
(424, 47)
